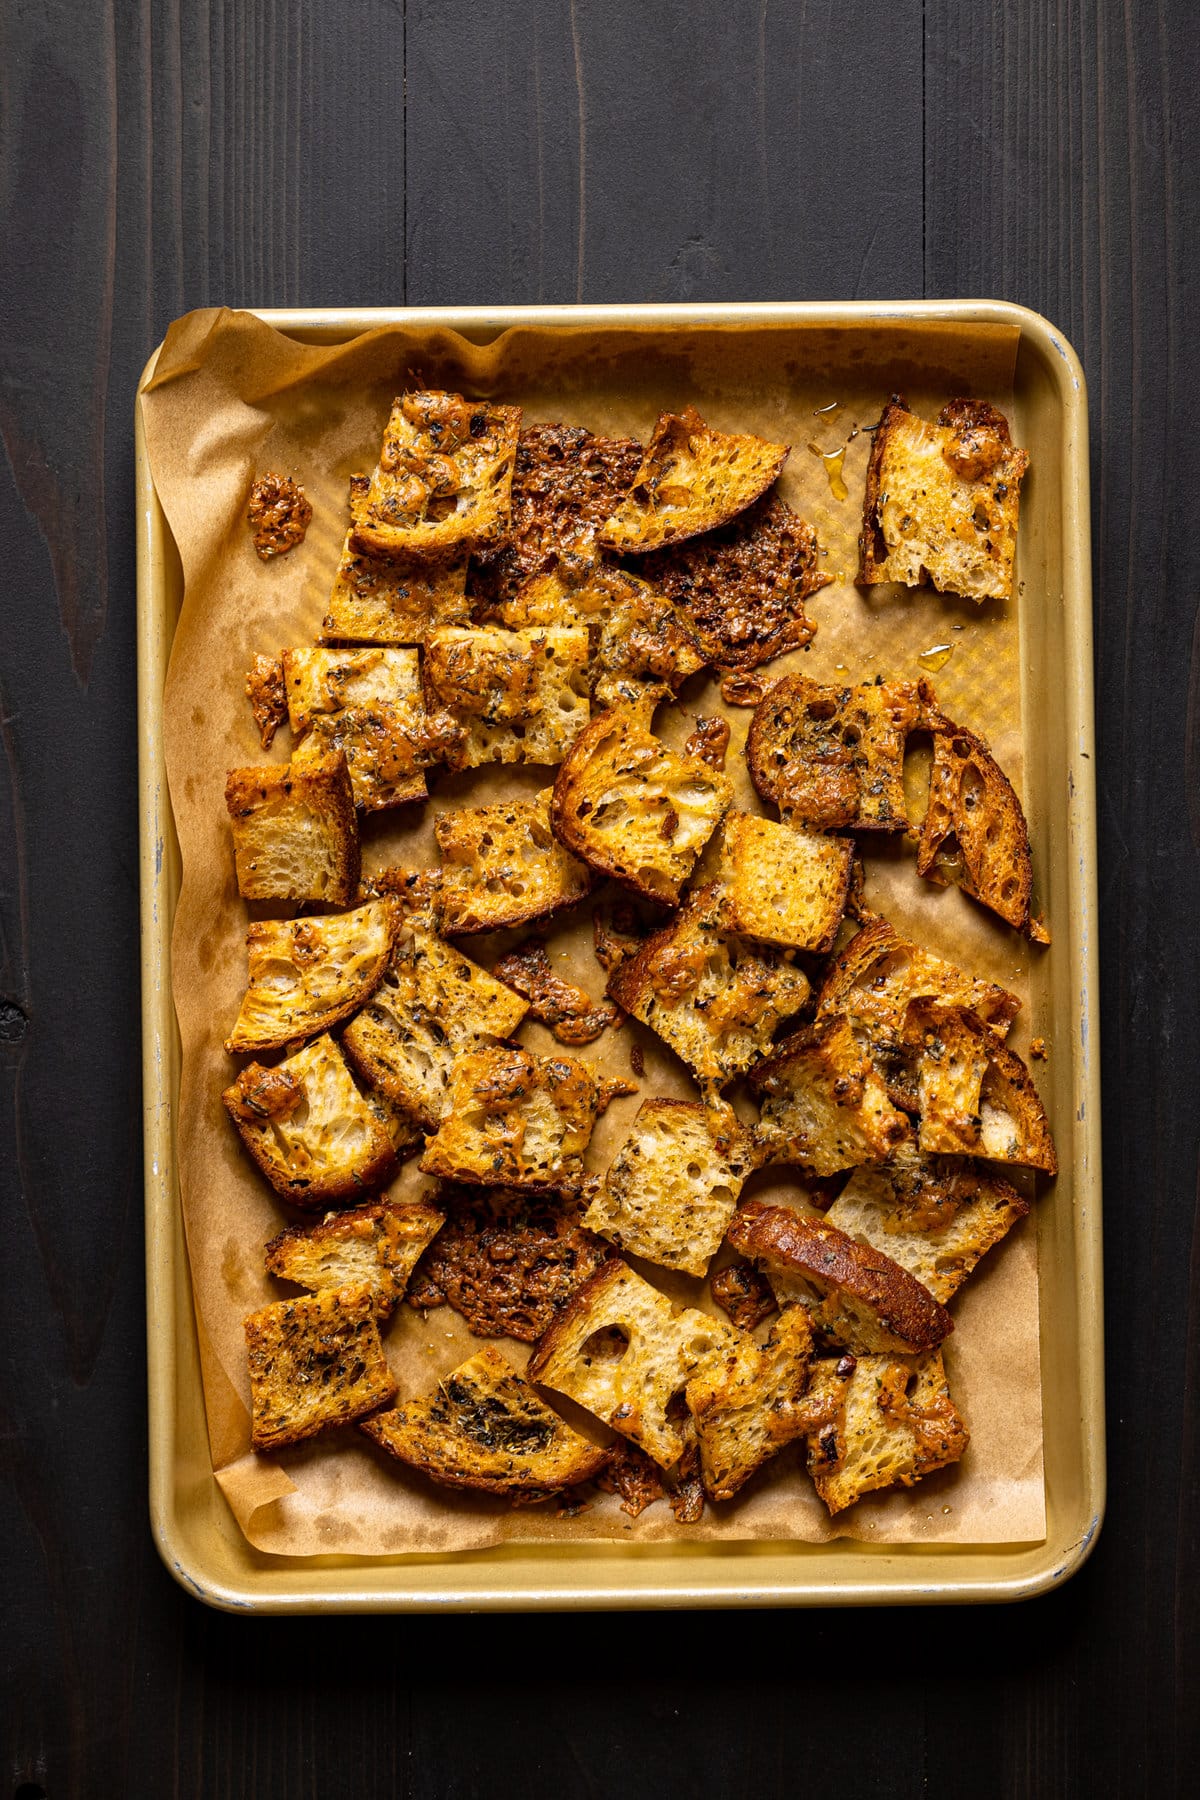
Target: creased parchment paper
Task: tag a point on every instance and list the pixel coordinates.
(232, 397)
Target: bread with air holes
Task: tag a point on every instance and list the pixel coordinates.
(873, 980)
(376, 1246)
(517, 696)
(832, 758)
(315, 1362)
(692, 479)
(974, 834)
(783, 886)
(976, 1096)
(295, 836)
(306, 975)
(896, 1425)
(391, 600)
(502, 866)
(515, 1119)
(443, 483)
(823, 1103)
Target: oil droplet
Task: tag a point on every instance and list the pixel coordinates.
(936, 657)
(833, 460)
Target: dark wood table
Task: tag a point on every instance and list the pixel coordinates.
(275, 152)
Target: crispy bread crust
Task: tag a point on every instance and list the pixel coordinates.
(314, 1362)
(858, 981)
(305, 945)
(973, 803)
(438, 447)
(316, 782)
(1011, 1125)
(395, 1232)
(832, 758)
(685, 455)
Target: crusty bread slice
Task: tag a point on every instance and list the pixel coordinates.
(823, 1103)
(313, 1135)
(713, 998)
(937, 1224)
(879, 973)
(518, 696)
(306, 975)
(692, 479)
(832, 758)
(976, 1096)
(443, 484)
(487, 1430)
(390, 600)
(783, 886)
(376, 1246)
(942, 500)
(633, 809)
(672, 1188)
(974, 834)
(503, 866)
(853, 1294)
(516, 1120)
(432, 1003)
(295, 836)
(622, 1351)
(896, 1425)
(314, 1362)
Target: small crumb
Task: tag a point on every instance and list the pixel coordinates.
(637, 1059)
(1038, 1049)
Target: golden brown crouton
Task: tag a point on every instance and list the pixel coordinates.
(369, 704)
(375, 1246)
(974, 835)
(832, 758)
(294, 830)
(976, 1096)
(516, 1120)
(503, 866)
(314, 1362)
(879, 973)
(783, 886)
(568, 1011)
(391, 600)
(937, 1222)
(518, 696)
(305, 975)
(692, 479)
(823, 1103)
(898, 1423)
(444, 478)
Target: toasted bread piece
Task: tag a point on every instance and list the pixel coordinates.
(823, 1102)
(503, 866)
(712, 997)
(743, 588)
(508, 1260)
(519, 696)
(937, 1224)
(376, 1246)
(743, 1294)
(974, 835)
(633, 809)
(568, 1011)
(391, 600)
(897, 1424)
(432, 1003)
(369, 704)
(832, 758)
(515, 1120)
(306, 975)
(444, 479)
(783, 886)
(294, 830)
(487, 1430)
(976, 1095)
(314, 1362)
(265, 692)
(879, 973)
(942, 501)
(853, 1294)
(317, 1140)
(624, 1352)
(672, 1188)
(692, 479)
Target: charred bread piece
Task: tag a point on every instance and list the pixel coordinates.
(317, 1140)
(633, 809)
(432, 1004)
(853, 1294)
(265, 692)
(976, 1096)
(783, 886)
(506, 1259)
(673, 1186)
(503, 866)
(515, 1120)
(314, 1362)
(743, 588)
(874, 979)
(622, 1351)
(974, 835)
(391, 600)
(487, 1430)
(713, 998)
(569, 1012)
(823, 1103)
(518, 696)
(369, 704)
(692, 479)
(375, 1246)
(897, 1424)
(444, 478)
(832, 758)
(295, 836)
(306, 975)
(942, 501)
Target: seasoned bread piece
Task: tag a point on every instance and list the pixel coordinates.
(444, 478)
(503, 866)
(712, 997)
(294, 830)
(487, 1430)
(742, 1293)
(942, 500)
(743, 588)
(832, 758)
(519, 696)
(314, 1362)
(624, 1352)
(897, 1424)
(672, 1188)
(879, 973)
(692, 479)
(376, 1246)
(823, 1103)
(515, 1119)
(936, 1223)
(369, 704)
(432, 1004)
(633, 809)
(317, 1140)
(783, 886)
(265, 692)
(306, 975)
(391, 600)
(974, 835)
(976, 1096)
(853, 1294)
(568, 1011)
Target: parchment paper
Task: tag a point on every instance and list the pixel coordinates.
(232, 397)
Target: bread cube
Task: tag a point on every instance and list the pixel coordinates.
(823, 1104)
(896, 1425)
(314, 1362)
(832, 758)
(306, 975)
(515, 1119)
(375, 1246)
(503, 866)
(294, 831)
(391, 600)
(443, 483)
(518, 696)
(783, 886)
